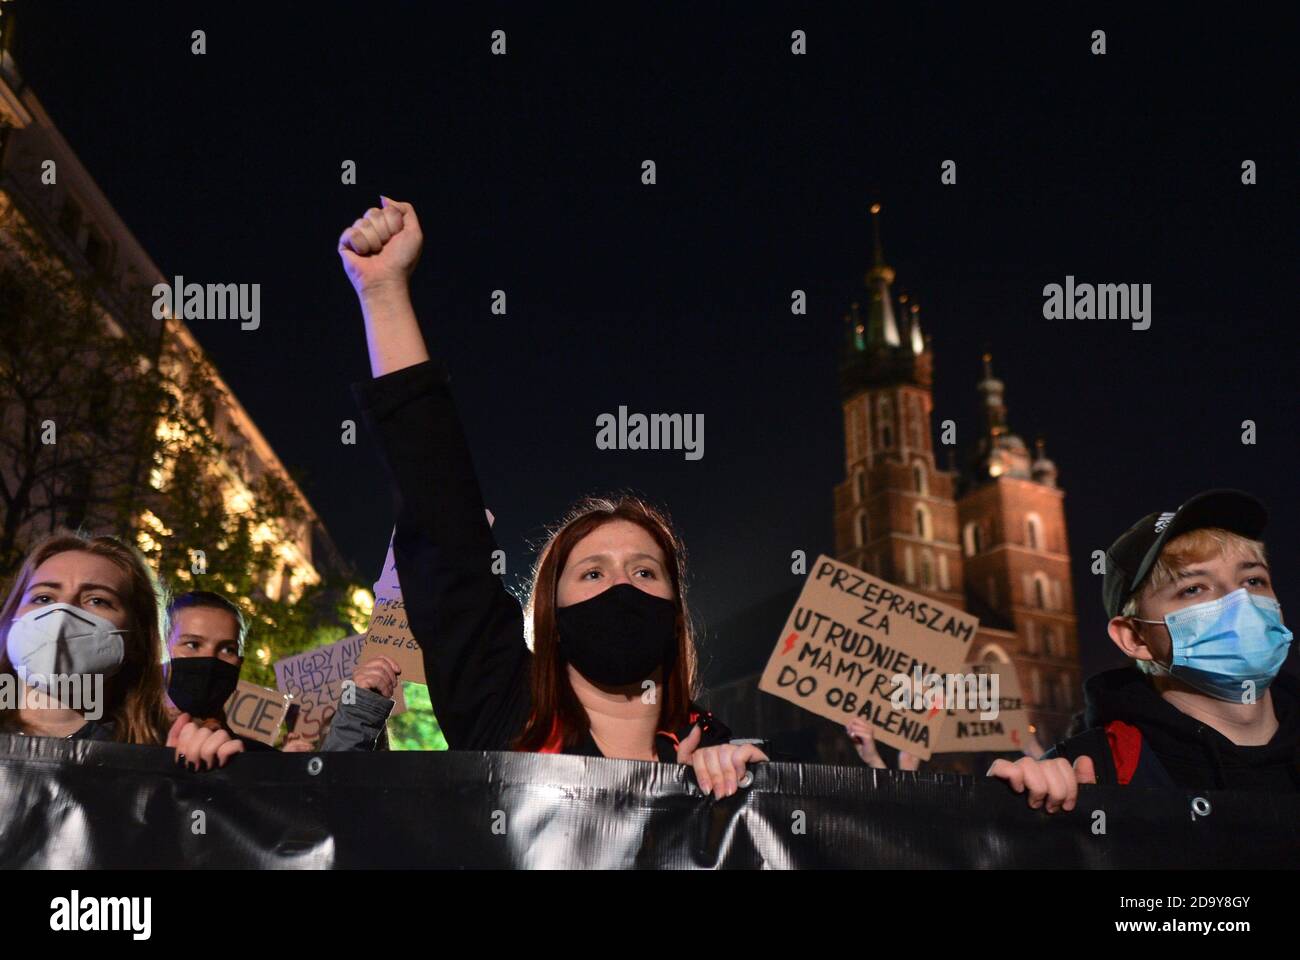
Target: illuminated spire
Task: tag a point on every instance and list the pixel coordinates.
(1043, 469)
(882, 328)
(995, 411)
(1000, 452)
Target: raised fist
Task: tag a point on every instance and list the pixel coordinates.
(382, 247)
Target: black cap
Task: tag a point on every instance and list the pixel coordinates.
(1131, 557)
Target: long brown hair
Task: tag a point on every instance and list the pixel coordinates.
(134, 694)
(555, 705)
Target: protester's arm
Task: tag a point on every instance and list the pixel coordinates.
(357, 725)
(470, 628)
(361, 718)
(380, 251)
(864, 741)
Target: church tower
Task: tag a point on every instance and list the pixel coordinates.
(895, 513)
(1017, 565)
(991, 540)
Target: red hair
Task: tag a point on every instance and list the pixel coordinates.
(558, 719)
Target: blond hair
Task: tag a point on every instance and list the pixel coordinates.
(1178, 554)
(135, 693)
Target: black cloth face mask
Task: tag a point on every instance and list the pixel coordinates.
(619, 636)
(202, 685)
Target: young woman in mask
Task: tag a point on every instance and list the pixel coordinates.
(611, 669)
(206, 635)
(205, 645)
(81, 656)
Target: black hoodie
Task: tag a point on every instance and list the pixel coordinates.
(470, 627)
(1154, 744)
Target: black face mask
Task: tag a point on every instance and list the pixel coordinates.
(202, 685)
(620, 636)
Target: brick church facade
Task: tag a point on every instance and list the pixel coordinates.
(990, 538)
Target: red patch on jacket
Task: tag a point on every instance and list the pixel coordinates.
(1125, 748)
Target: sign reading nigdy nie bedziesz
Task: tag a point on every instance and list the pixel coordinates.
(854, 640)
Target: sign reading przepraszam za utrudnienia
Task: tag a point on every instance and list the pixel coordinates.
(848, 640)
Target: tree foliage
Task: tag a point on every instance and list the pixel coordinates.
(111, 427)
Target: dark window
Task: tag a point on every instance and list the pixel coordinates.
(97, 253)
(70, 219)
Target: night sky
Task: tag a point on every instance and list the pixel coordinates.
(525, 170)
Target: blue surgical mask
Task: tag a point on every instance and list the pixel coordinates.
(1230, 648)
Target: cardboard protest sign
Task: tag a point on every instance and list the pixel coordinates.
(315, 679)
(390, 632)
(848, 640)
(321, 666)
(968, 727)
(316, 708)
(314, 668)
(255, 712)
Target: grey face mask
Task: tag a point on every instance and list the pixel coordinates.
(63, 640)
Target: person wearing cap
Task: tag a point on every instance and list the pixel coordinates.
(1203, 704)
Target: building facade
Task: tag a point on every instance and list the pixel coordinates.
(46, 193)
(989, 538)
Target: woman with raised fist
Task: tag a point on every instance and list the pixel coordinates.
(609, 665)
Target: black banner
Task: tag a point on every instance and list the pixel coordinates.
(68, 804)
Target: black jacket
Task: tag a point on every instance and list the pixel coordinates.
(1135, 736)
(469, 626)
(90, 730)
